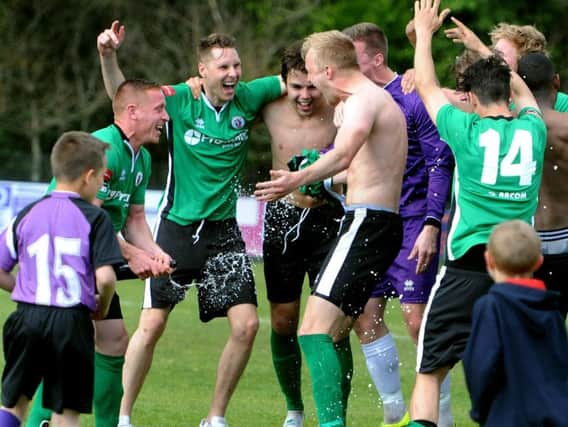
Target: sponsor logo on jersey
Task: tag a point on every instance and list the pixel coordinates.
(138, 179)
(193, 137)
(122, 175)
(199, 123)
(238, 122)
(118, 195)
(409, 285)
(168, 90)
(107, 175)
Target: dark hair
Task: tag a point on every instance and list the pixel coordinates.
(214, 40)
(489, 79)
(372, 35)
(292, 59)
(128, 88)
(537, 70)
(74, 153)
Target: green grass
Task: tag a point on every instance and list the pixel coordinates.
(178, 389)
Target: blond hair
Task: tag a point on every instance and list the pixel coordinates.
(515, 247)
(526, 38)
(331, 47)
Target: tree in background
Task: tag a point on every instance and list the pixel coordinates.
(50, 78)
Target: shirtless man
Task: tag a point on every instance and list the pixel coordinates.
(552, 212)
(298, 230)
(371, 145)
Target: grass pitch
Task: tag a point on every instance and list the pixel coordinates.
(178, 388)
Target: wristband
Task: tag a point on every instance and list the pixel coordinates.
(432, 221)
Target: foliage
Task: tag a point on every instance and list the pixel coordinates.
(50, 79)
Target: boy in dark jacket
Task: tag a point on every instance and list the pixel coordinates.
(515, 362)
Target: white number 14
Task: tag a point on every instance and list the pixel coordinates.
(525, 168)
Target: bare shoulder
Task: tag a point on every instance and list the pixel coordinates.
(369, 98)
(273, 110)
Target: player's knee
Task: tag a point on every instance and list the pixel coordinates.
(245, 330)
(114, 344)
(284, 325)
(370, 327)
(151, 327)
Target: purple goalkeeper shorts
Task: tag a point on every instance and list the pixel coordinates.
(401, 279)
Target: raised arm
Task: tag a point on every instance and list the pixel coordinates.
(426, 22)
(108, 43)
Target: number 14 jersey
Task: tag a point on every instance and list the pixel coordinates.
(498, 171)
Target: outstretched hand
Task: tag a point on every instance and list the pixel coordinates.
(426, 17)
(462, 34)
(282, 183)
(110, 40)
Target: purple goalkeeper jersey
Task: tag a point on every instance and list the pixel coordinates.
(58, 241)
(429, 164)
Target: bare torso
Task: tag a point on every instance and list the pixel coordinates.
(290, 134)
(375, 174)
(552, 211)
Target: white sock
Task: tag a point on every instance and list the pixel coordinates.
(382, 362)
(124, 420)
(445, 418)
(218, 421)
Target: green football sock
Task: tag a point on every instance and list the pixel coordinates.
(325, 371)
(108, 389)
(38, 413)
(287, 361)
(345, 356)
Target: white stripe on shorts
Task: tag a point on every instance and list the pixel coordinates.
(554, 242)
(420, 347)
(340, 253)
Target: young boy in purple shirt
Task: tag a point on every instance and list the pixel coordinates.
(65, 248)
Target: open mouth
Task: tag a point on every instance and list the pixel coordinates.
(304, 105)
(229, 87)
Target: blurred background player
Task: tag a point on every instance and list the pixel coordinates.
(65, 247)
(509, 386)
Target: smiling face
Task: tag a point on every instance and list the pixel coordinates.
(302, 94)
(151, 116)
(221, 71)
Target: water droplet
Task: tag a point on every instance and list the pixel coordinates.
(555, 167)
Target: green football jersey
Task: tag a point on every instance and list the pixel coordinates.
(208, 149)
(126, 177)
(561, 103)
(497, 175)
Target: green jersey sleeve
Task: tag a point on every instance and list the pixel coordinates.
(561, 103)
(177, 96)
(255, 94)
(453, 124)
